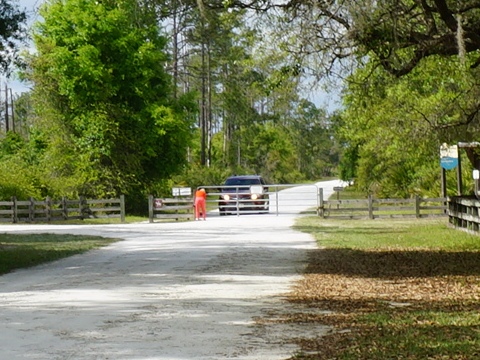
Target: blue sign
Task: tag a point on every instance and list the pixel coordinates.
(449, 156)
(449, 163)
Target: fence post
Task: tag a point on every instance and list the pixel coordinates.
(370, 207)
(48, 205)
(14, 210)
(31, 210)
(276, 200)
(320, 211)
(81, 207)
(150, 208)
(64, 208)
(417, 206)
(122, 208)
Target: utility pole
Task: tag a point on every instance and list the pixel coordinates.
(203, 112)
(8, 108)
(7, 127)
(13, 112)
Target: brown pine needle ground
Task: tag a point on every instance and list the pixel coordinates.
(391, 301)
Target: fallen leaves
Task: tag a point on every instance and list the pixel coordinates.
(346, 285)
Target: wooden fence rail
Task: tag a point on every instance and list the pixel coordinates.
(382, 208)
(464, 214)
(170, 208)
(17, 211)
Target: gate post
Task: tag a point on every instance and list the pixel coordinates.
(320, 210)
(122, 208)
(276, 199)
(150, 208)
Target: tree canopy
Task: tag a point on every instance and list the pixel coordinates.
(398, 34)
(104, 98)
(12, 20)
(402, 33)
(120, 85)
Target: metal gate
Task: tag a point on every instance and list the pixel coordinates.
(273, 199)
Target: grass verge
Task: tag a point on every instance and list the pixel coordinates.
(22, 251)
(98, 221)
(390, 289)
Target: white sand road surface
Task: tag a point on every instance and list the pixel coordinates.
(186, 290)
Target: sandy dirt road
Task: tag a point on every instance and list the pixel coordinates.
(189, 290)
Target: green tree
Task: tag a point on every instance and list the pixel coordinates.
(397, 34)
(312, 137)
(248, 96)
(12, 21)
(269, 151)
(393, 127)
(104, 99)
(17, 176)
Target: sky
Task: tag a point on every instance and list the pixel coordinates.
(31, 7)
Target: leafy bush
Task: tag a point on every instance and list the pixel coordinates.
(196, 175)
(16, 180)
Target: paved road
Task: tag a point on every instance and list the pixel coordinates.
(189, 290)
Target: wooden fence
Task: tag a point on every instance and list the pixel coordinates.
(463, 214)
(382, 208)
(172, 208)
(17, 211)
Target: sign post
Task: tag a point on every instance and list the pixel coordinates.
(476, 176)
(448, 156)
(337, 189)
(449, 160)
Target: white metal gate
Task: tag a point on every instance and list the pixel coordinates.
(276, 199)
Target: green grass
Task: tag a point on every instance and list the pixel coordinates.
(99, 221)
(88, 221)
(349, 192)
(393, 289)
(431, 234)
(22, 251)
(420, 334)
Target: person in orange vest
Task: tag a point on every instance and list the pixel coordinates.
(200, 204)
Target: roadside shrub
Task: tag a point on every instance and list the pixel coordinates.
(16, 180)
